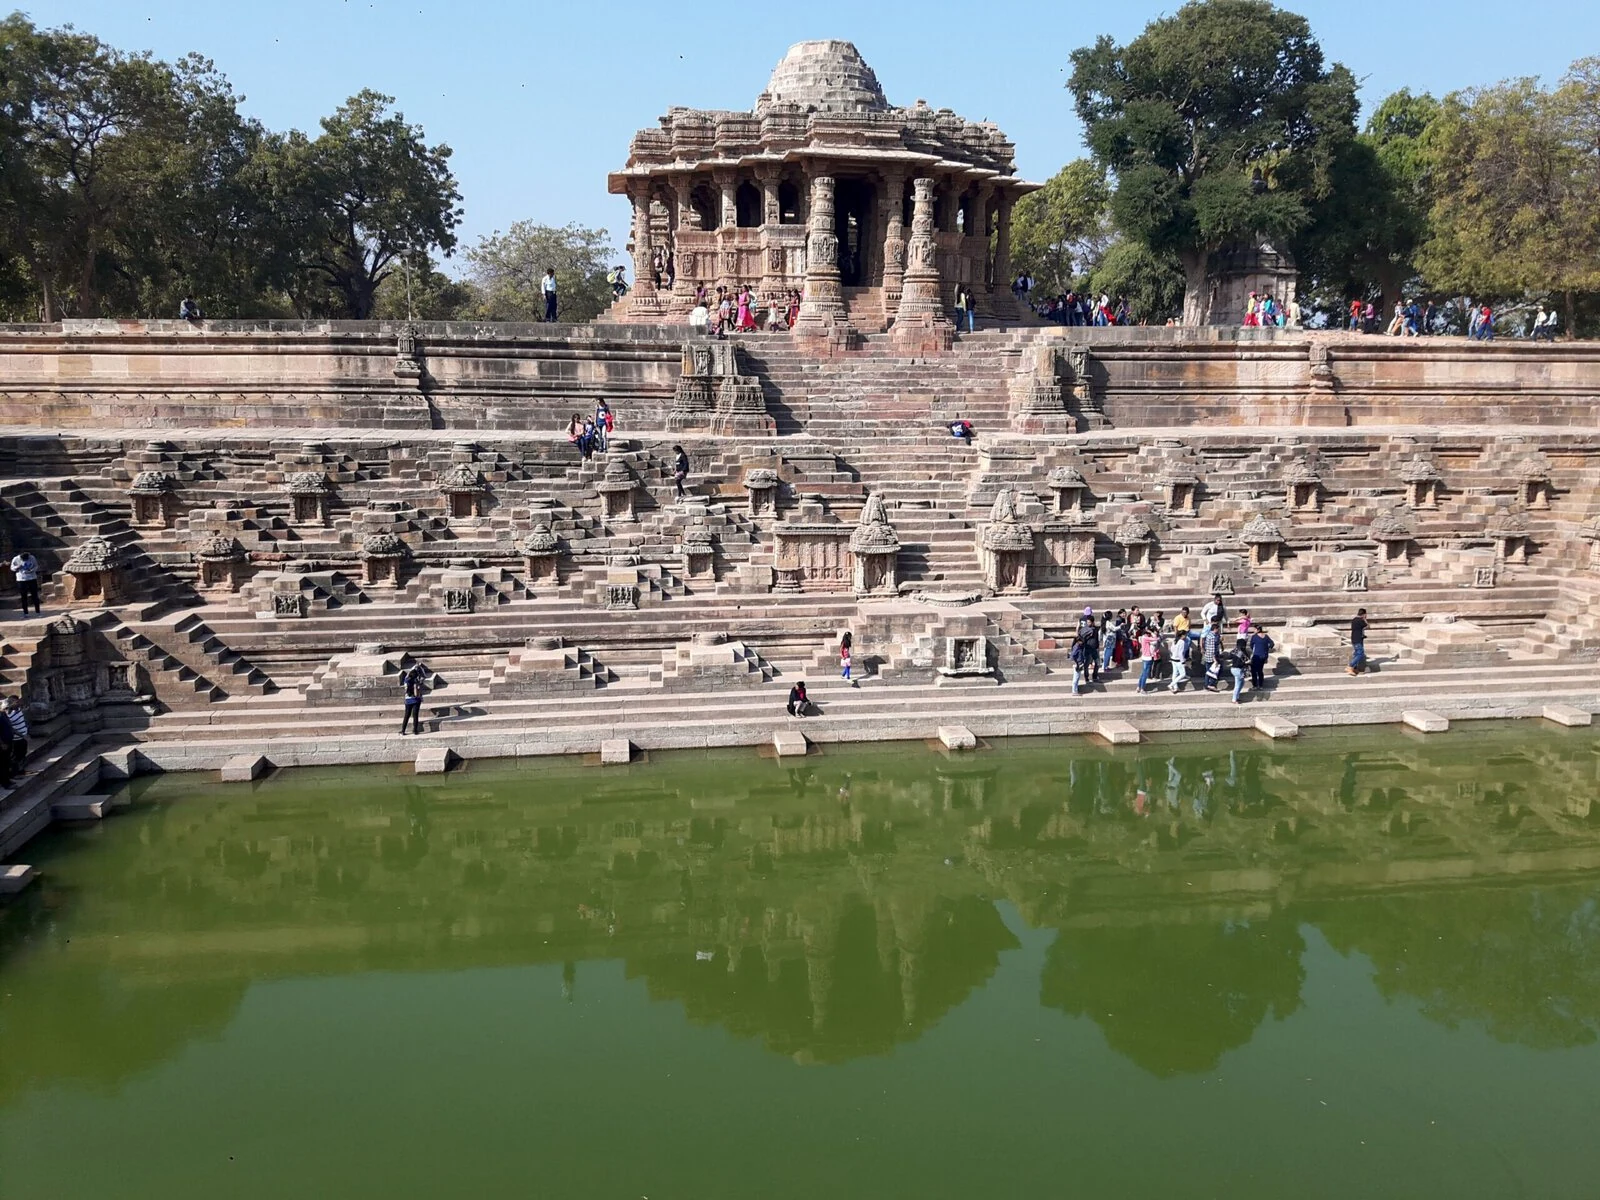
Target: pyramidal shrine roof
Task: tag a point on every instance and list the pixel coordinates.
(822, 101)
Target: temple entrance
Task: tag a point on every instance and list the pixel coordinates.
(855, 201)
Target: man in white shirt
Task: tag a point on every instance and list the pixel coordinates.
(548, 286)
(26, 570)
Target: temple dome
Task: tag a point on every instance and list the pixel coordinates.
(825, 76)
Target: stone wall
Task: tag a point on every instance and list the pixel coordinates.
(132, 374)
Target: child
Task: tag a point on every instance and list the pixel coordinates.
(844, 659)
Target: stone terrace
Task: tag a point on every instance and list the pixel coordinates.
(254, 529)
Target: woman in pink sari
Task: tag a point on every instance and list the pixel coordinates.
(744, 323)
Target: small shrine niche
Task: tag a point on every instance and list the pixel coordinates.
(1007, 547)
(541, 554)
(761, 485)
(1423, 483)
(1534, 474)
(464, 491)
(1393, 536)
(1511, 537)
(1303, 487)
(308, 498)
(1070, 489)
(95, 573)
(1264, 540)
(220, 563)
(154, 500)
(699, 550)
(381, 556)
(966, 656)
(1135, 538)
(1180, 486)
(616, 490)
(875, 551)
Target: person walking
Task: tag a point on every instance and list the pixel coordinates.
(604, 423)
(1149, 651)
(18, 720)
(965, 307)
(1180, 632)
(1180, 662)
(1235, 664)
(1358, 643)
(548, 287)
(1211, 654)
(1214, 610)
(1261, 648)
(680, 469)
(845, 659)
(415, 687)
(1089, 632)
(26, 569)
(1082, 657)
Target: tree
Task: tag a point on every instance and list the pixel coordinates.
(1220, 124)
(365, 192)
(1060, 231)
(1516, 169)
(434, 296)
(506, 269)
(1364, 237)
(1151, 283)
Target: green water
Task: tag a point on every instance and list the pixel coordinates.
(1364, 965)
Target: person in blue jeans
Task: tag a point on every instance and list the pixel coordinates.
(1235, 663)
(1261, 648)
(1358, 643)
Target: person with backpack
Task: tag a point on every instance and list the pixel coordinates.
(1090, 633)
(1211, 654)
(414, 685)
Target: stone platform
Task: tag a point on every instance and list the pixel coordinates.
(248, 535)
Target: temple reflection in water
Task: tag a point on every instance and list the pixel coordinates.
(837, 908)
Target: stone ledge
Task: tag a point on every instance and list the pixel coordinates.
(1276, 727)
(436, 760)
(1424, 721)
(245, 768)
(789, 743)
(1118, 733)
(80, 808)
(13, 879)
(957, 737)
(616, 752)
(1566, 714)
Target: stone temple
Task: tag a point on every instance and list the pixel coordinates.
(247, 530)
(875, 212)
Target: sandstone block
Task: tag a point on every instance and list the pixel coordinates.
(14, 878)
(435, 760)
(789, 743)
(957, 737)
(1565, 714)
(616, 751)
(1277, 727)
(1118, 733)
(1425, 721)
(80, 808)
(243, 768)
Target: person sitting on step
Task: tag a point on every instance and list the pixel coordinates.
(799, 703)
(962, 428)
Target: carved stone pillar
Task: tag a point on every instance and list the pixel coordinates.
(823, 303)
(643, 265)
(727, 227)
(921, 303)
(684, 282)
(772, 281)
(894, 239)
(1002, 243)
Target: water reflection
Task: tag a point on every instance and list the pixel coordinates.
(844, 906)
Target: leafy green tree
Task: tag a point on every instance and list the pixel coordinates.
(1363, 238)
(506, 268)
(1220, 124)
(1151, 283)
(366, 191)
(433, 295)
(1060, 231)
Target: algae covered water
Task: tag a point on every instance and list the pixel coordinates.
(1364, 965)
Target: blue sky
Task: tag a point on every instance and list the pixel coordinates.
(539, 100)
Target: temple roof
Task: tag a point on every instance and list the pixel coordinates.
(822, 102)
(825, 76)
